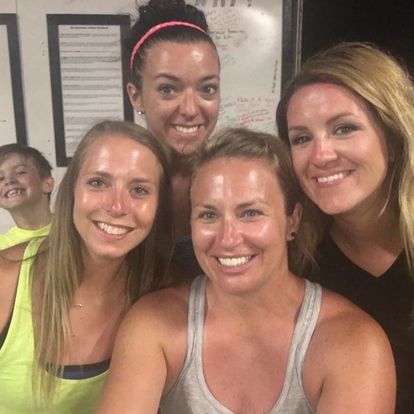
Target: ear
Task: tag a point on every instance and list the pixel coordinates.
(135, 97)
(47, 185)
(293, 222)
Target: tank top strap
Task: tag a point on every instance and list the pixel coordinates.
(195, 322)
(302, 334)
(308, 318)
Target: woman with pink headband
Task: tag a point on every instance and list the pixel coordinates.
(175, 86)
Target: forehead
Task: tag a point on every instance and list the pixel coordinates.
(328, 94)
(14, 159)
(237, 177)
(119, 151)
(167, 56)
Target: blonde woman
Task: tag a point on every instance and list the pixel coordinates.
(348, 117)
(110, 242)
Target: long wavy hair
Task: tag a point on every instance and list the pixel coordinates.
(388, 91)
(58, 272)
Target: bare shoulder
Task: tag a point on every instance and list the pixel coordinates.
(10, 263)
(344, 323)
(349, 354)
(12, 256)
(160, 312)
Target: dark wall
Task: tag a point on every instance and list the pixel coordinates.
(388, 23)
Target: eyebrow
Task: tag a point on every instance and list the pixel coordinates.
(107, 175)
(329, 122)
(177, 79)
(239, 206)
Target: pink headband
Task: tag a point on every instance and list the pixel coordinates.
(155, 29)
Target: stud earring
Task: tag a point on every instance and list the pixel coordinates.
(141, 113)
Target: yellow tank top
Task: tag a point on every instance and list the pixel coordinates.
(16, 360)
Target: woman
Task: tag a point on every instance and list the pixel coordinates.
(109, 243)
(250, 336)
(348, 117)
(175, 86)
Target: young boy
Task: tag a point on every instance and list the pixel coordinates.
(26, 184)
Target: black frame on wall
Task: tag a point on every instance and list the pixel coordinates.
(53, 22)
(10, 21)
(292, 39)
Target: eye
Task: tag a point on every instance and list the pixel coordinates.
(207, 215)
(21, 172)
(251, 213)
(299, 139)
(210, 90)
(140, 191)
(96, 182)
(345, 129)
(166, 90)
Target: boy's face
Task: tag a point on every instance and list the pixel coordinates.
(21, 184)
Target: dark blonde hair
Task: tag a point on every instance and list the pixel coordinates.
(58, 273)
(387, 89)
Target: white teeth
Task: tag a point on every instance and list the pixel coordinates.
(186, 130)
(233, 261)
(112, 229)
(13, 192)
(331, 178)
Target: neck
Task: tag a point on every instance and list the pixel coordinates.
(181, 164)
(371, 227)
(280, 297)
(182, 205)
(32, 217)
(101, 283)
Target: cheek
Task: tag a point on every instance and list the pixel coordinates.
(203, 236)
(213, 110)
(146, 212)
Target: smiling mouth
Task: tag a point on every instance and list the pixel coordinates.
(332, 178)
(111, 229)
(13, 193)
(234, 261)
(187, 129)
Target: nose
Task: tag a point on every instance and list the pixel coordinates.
(323, 151)
(10, 178)
(117, 203)
(229, 235)
(189, 105)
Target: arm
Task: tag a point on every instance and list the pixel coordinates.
(359, 368)
(138, 368)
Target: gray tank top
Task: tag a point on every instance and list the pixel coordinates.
(190, 393)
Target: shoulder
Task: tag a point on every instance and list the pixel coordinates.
(160, 312)
(343, 325)
(10, 264)
(346, 340)
(11, 257)
(349, 355)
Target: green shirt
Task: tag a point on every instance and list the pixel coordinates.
(16, 235)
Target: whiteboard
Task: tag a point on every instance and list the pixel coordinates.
(258, 43)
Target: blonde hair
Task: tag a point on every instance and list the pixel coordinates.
(388, 91)
(58, 273)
